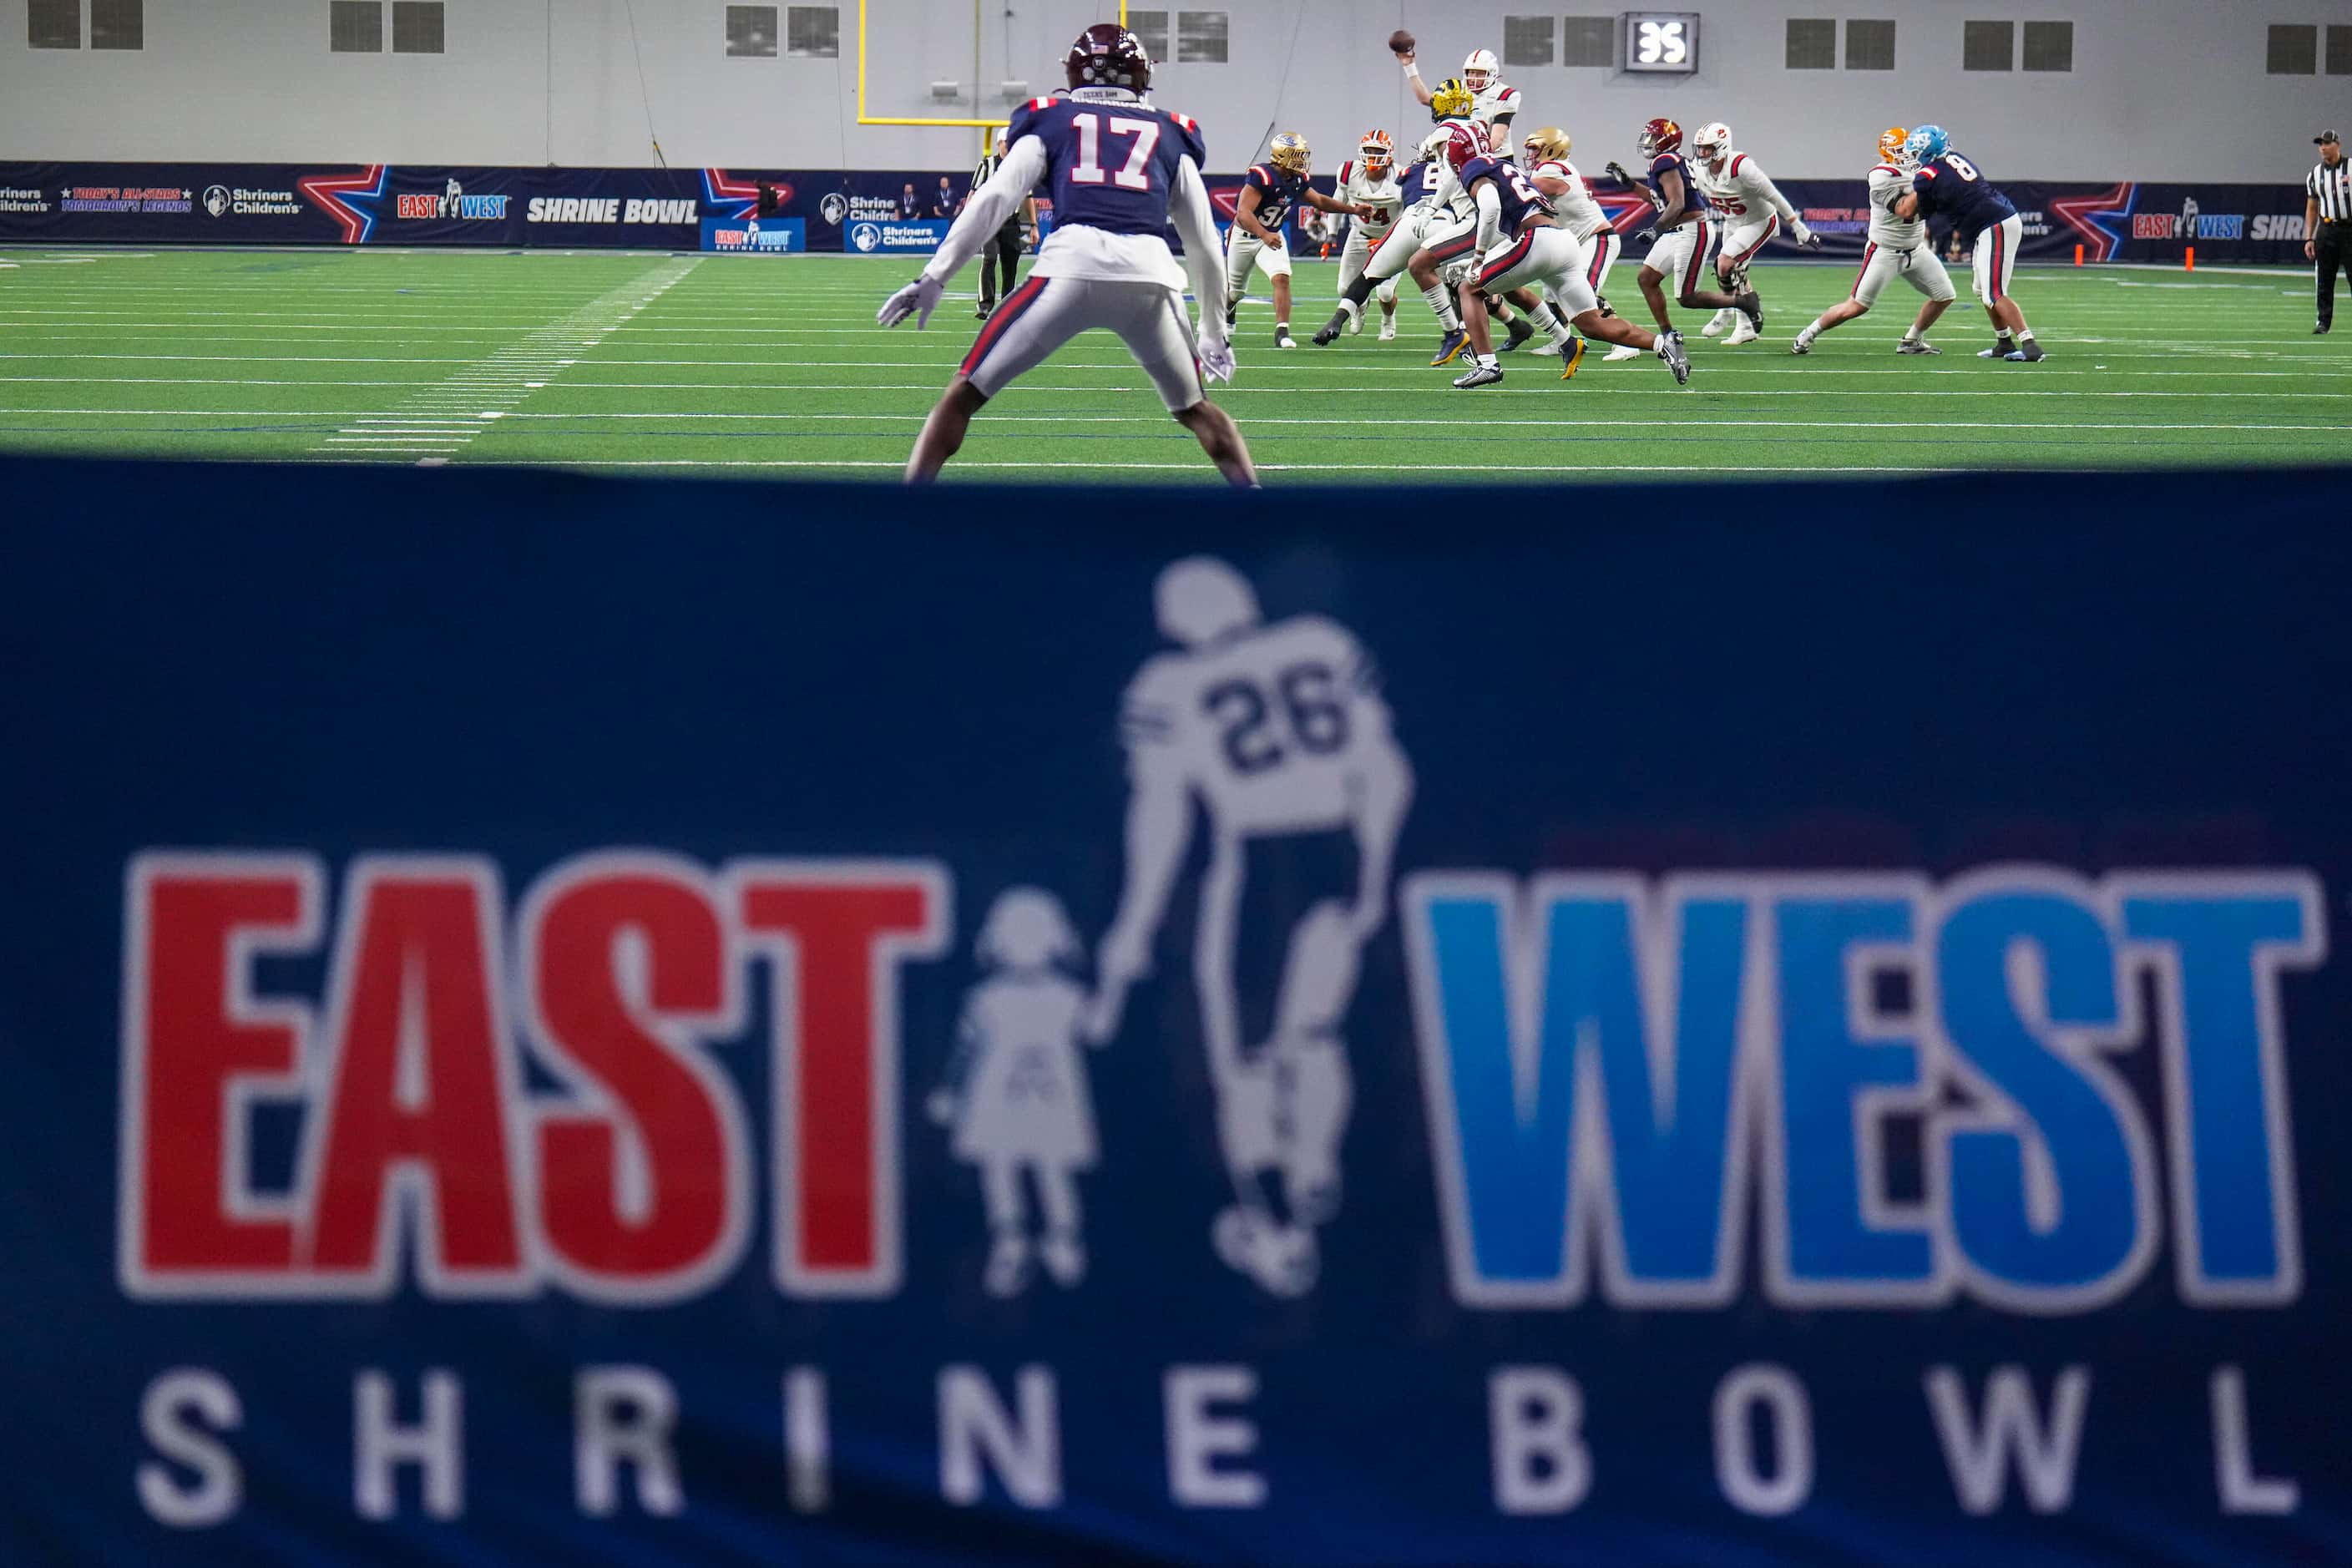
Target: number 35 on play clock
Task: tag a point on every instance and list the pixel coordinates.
(1662, 41)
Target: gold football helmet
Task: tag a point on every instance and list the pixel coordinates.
(1546, 145)
(1290, 151)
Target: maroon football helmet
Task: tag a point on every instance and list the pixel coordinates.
(1462, 145)
(1107, 55)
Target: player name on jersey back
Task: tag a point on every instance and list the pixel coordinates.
(1111, 157)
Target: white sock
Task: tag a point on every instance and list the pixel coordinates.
(1910, 333)
(1490, 362)
(2026, 335)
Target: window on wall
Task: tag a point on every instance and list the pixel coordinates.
(2339, 51)
(2049, 46)
(1588, 41)
(1150, 30)
(1812, 44)
(417, 26)
(812, 32)
(356, 27)
(751, 32)
(1869, 46)
(53, 24)
(1201, 37)
(2293, 50)
(118, 24)
(1988, 45)
(1526, 40)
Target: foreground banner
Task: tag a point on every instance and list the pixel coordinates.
(618, 1030)
(890, 213)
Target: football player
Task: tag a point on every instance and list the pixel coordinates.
(1521, 249)
(1752, 210)
(1982, 217)
(1368, 179)
(1255, 241)
(1438, 226)
(1492, 105)
(1897, 247)
(1683, 232)
(1549, 172)
(1107, 263)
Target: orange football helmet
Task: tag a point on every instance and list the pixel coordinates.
(1890, 145)
(1378, 150)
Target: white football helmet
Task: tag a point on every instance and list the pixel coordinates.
(1713, 141)
(1479, 71)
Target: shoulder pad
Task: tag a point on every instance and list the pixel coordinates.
(1260, 176)
(1035, 104)
(1341, 179)
(1927, 172)
(1506, 95)
(1739, 160)
(1020, 125)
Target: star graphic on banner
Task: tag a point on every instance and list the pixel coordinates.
(349, 199)
(2103, 220)
(738, 198)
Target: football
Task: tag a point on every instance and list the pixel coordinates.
(1399, 42)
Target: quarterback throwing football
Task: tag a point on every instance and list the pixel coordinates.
(1121, 171)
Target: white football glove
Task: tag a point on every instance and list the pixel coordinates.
(1806, 238)
(918, 300)
(1217, 358)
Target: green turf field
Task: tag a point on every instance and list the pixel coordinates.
(752, 366)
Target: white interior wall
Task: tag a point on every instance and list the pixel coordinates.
(2160, 89)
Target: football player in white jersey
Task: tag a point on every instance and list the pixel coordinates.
(1897, 249)
(1753, 210)
(1277, 740)
(1369, 180)
(1439, 227)
(1492, 104)
(1549, 172)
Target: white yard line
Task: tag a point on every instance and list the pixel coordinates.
(497, 385)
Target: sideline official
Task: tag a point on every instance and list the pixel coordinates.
(2328, 219)
(1001, 255)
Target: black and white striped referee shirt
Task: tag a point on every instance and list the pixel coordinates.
(2332, 189)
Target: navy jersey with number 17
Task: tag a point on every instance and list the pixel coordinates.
(1950, 184)
(1111, 159)
(1520, 200)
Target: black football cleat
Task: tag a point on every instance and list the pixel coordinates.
(1520, 332)
(2026, 352)
(1282, 336)
(1328, 332)
(2001, 348)
(1232, 311)
(984, 308)
(1750, 305)
(2320, 331)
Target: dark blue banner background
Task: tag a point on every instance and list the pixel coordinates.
(1774, 687)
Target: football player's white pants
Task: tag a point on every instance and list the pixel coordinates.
(1246, 251)
(1353, 258)
(1411, 233)
(1681, 255)
(1603, 247)
(1916, 266)
(1046, 313)
(1996, 258)
(1549, 259)
(1743, 243)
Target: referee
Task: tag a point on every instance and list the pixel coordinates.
(2328, 219)
(1003, 252)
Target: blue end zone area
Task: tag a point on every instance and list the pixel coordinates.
(1824, 1048)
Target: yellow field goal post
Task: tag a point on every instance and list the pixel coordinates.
(983, 126)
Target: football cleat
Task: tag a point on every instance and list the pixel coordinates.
(1545, 348)
(2026, 352)
(983, 313)
(1232, 311)
(1388, 329)
(1602, 300)
(1282, 338)
(1741, 333)
(2000, 348)
(1520, 332)
(1355, 325)
(1479, 375)
(1752, 306)
(1916, 346)
(1455, 342)
(1803, 344)
(1669, 349)
(2319, 329)
(1622, 352)
(1719, 321)
(1572, 358)
(1328, 334)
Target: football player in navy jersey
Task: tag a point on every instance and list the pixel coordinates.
(1523, 250)
(1121, 171)
(1255, 243)
(1684, 233)
(1981, 218)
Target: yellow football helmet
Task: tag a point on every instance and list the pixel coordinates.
(1546, 145)
(1452, 100)
(1290, 151)
(1890, 145)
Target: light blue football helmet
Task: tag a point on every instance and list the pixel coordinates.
(1926, 143)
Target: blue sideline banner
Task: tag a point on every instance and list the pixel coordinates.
(885, 213)
(621, 1031)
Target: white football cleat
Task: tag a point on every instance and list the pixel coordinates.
(1723, 319)
(1355, 325)
(1388, 329)
(1741, 333)
(1546, 348)
(1623, 351)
